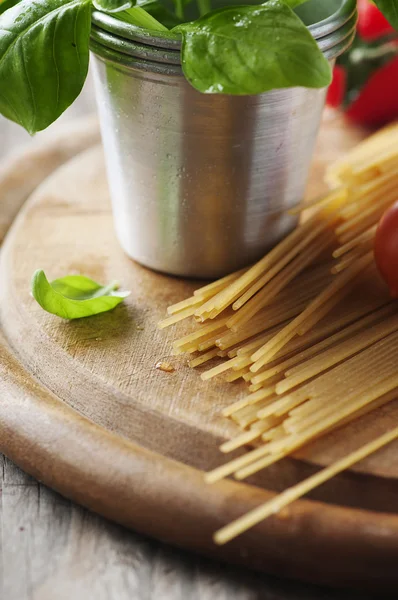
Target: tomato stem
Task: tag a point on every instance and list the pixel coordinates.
(360, 54)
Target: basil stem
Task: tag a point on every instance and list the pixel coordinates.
(179, 5)
(204, 7)
(139, 17)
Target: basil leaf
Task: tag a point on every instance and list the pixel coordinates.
(111, 6)
(6, 4)
(141, 18)
(74, 296)
(43, 59)
(389, 8)
(251, 49)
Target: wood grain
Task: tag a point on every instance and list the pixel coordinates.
(188, 431)
(55, 550)
(24, 170)
(74, 553)
(30, 159)
(67, 228)
(166, 499)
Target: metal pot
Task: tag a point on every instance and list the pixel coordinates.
(201, 184)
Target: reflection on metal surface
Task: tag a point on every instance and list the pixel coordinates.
(200, 184)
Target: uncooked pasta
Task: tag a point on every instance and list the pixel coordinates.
(310, 329)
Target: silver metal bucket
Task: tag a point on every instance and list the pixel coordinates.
(201, 184)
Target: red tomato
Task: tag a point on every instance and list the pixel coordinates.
(386, 248)
(336, 91)
(372, 24)
(377, 102)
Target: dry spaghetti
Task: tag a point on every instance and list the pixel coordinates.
(310, 328)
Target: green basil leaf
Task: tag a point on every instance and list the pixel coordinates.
(389, 8)
(75, 296)
(141, 18)
(6, 4)
(251, 49)
(111, 6)
(44, 51)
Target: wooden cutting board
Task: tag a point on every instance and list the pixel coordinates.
(84, 409)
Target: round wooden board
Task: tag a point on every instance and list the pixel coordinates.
(85, 410)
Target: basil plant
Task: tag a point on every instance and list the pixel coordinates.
(238, 49)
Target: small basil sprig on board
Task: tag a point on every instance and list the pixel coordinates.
(251, 49)
(75, 296)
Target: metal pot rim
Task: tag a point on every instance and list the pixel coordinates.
(332, 46)
(100, 37)
(172, 41)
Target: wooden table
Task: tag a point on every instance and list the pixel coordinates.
(51, 549)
